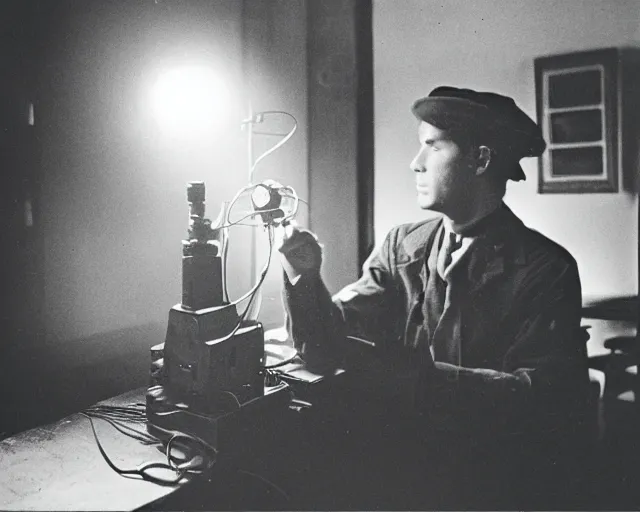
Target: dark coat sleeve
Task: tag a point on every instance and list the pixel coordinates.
(543, 376)
(320, 324)
(550, 346)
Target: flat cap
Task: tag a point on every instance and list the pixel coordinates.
(492, 118)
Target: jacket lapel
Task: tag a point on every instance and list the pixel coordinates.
(482, 266)
(487, 259)
(412, 269)
(485, 264)
(412, 257)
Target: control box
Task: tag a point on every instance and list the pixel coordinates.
(211, 362)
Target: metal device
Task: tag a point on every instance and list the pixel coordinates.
(211, 362)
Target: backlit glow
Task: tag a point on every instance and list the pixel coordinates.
(190, 102)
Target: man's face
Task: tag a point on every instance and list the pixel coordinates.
(444, 171)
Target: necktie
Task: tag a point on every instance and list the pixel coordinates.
(452, 243)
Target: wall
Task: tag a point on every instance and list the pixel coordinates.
(490, 45)
(276, 71)
(334, 75)
(114, 209)
(115, 203)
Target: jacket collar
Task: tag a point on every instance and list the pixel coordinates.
(418, 239)
(494, 235)
(495, 229)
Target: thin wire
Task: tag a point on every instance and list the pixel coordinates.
(132, 413)
(225, 249)
(252, 214)
(249, 224)
(181, 435)
(135, 406)
(121, 418)
(263, 274)
(181, 411)
(296, 203)
(299, 199)
(192, 437)
(244, 189)
(283, 362)
(251, 172)
(276, 146)
(140, 471)
(293, 195)
(251, 292)
(362, 340)
(234, 397)
(287, 376)
(268, 482)
(142, 437)
(118, 415)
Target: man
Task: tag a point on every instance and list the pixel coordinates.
(476, 314)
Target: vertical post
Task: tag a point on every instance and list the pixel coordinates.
(248, 37)
(254, 307)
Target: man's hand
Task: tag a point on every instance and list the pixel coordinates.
(301, 253)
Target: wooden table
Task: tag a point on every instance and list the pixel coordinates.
(58, 466)
(349, 451)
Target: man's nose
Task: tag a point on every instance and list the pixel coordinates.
(417, 164)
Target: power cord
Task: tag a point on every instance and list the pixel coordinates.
(119, 416)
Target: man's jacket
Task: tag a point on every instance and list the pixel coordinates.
(512, 350)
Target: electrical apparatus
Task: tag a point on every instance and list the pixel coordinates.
(211, 365)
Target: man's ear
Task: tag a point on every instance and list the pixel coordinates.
(483, 159)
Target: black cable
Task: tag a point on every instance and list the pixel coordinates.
(131, 416)
(284, 362)
(142, 437)
(177, 437)
(269, 483)
(286, 376)
(194, 465)
(252, 214)
(142, 470)
(132, 410)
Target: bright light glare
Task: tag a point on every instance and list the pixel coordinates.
(190, 102)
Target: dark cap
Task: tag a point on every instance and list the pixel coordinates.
(492, 118)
